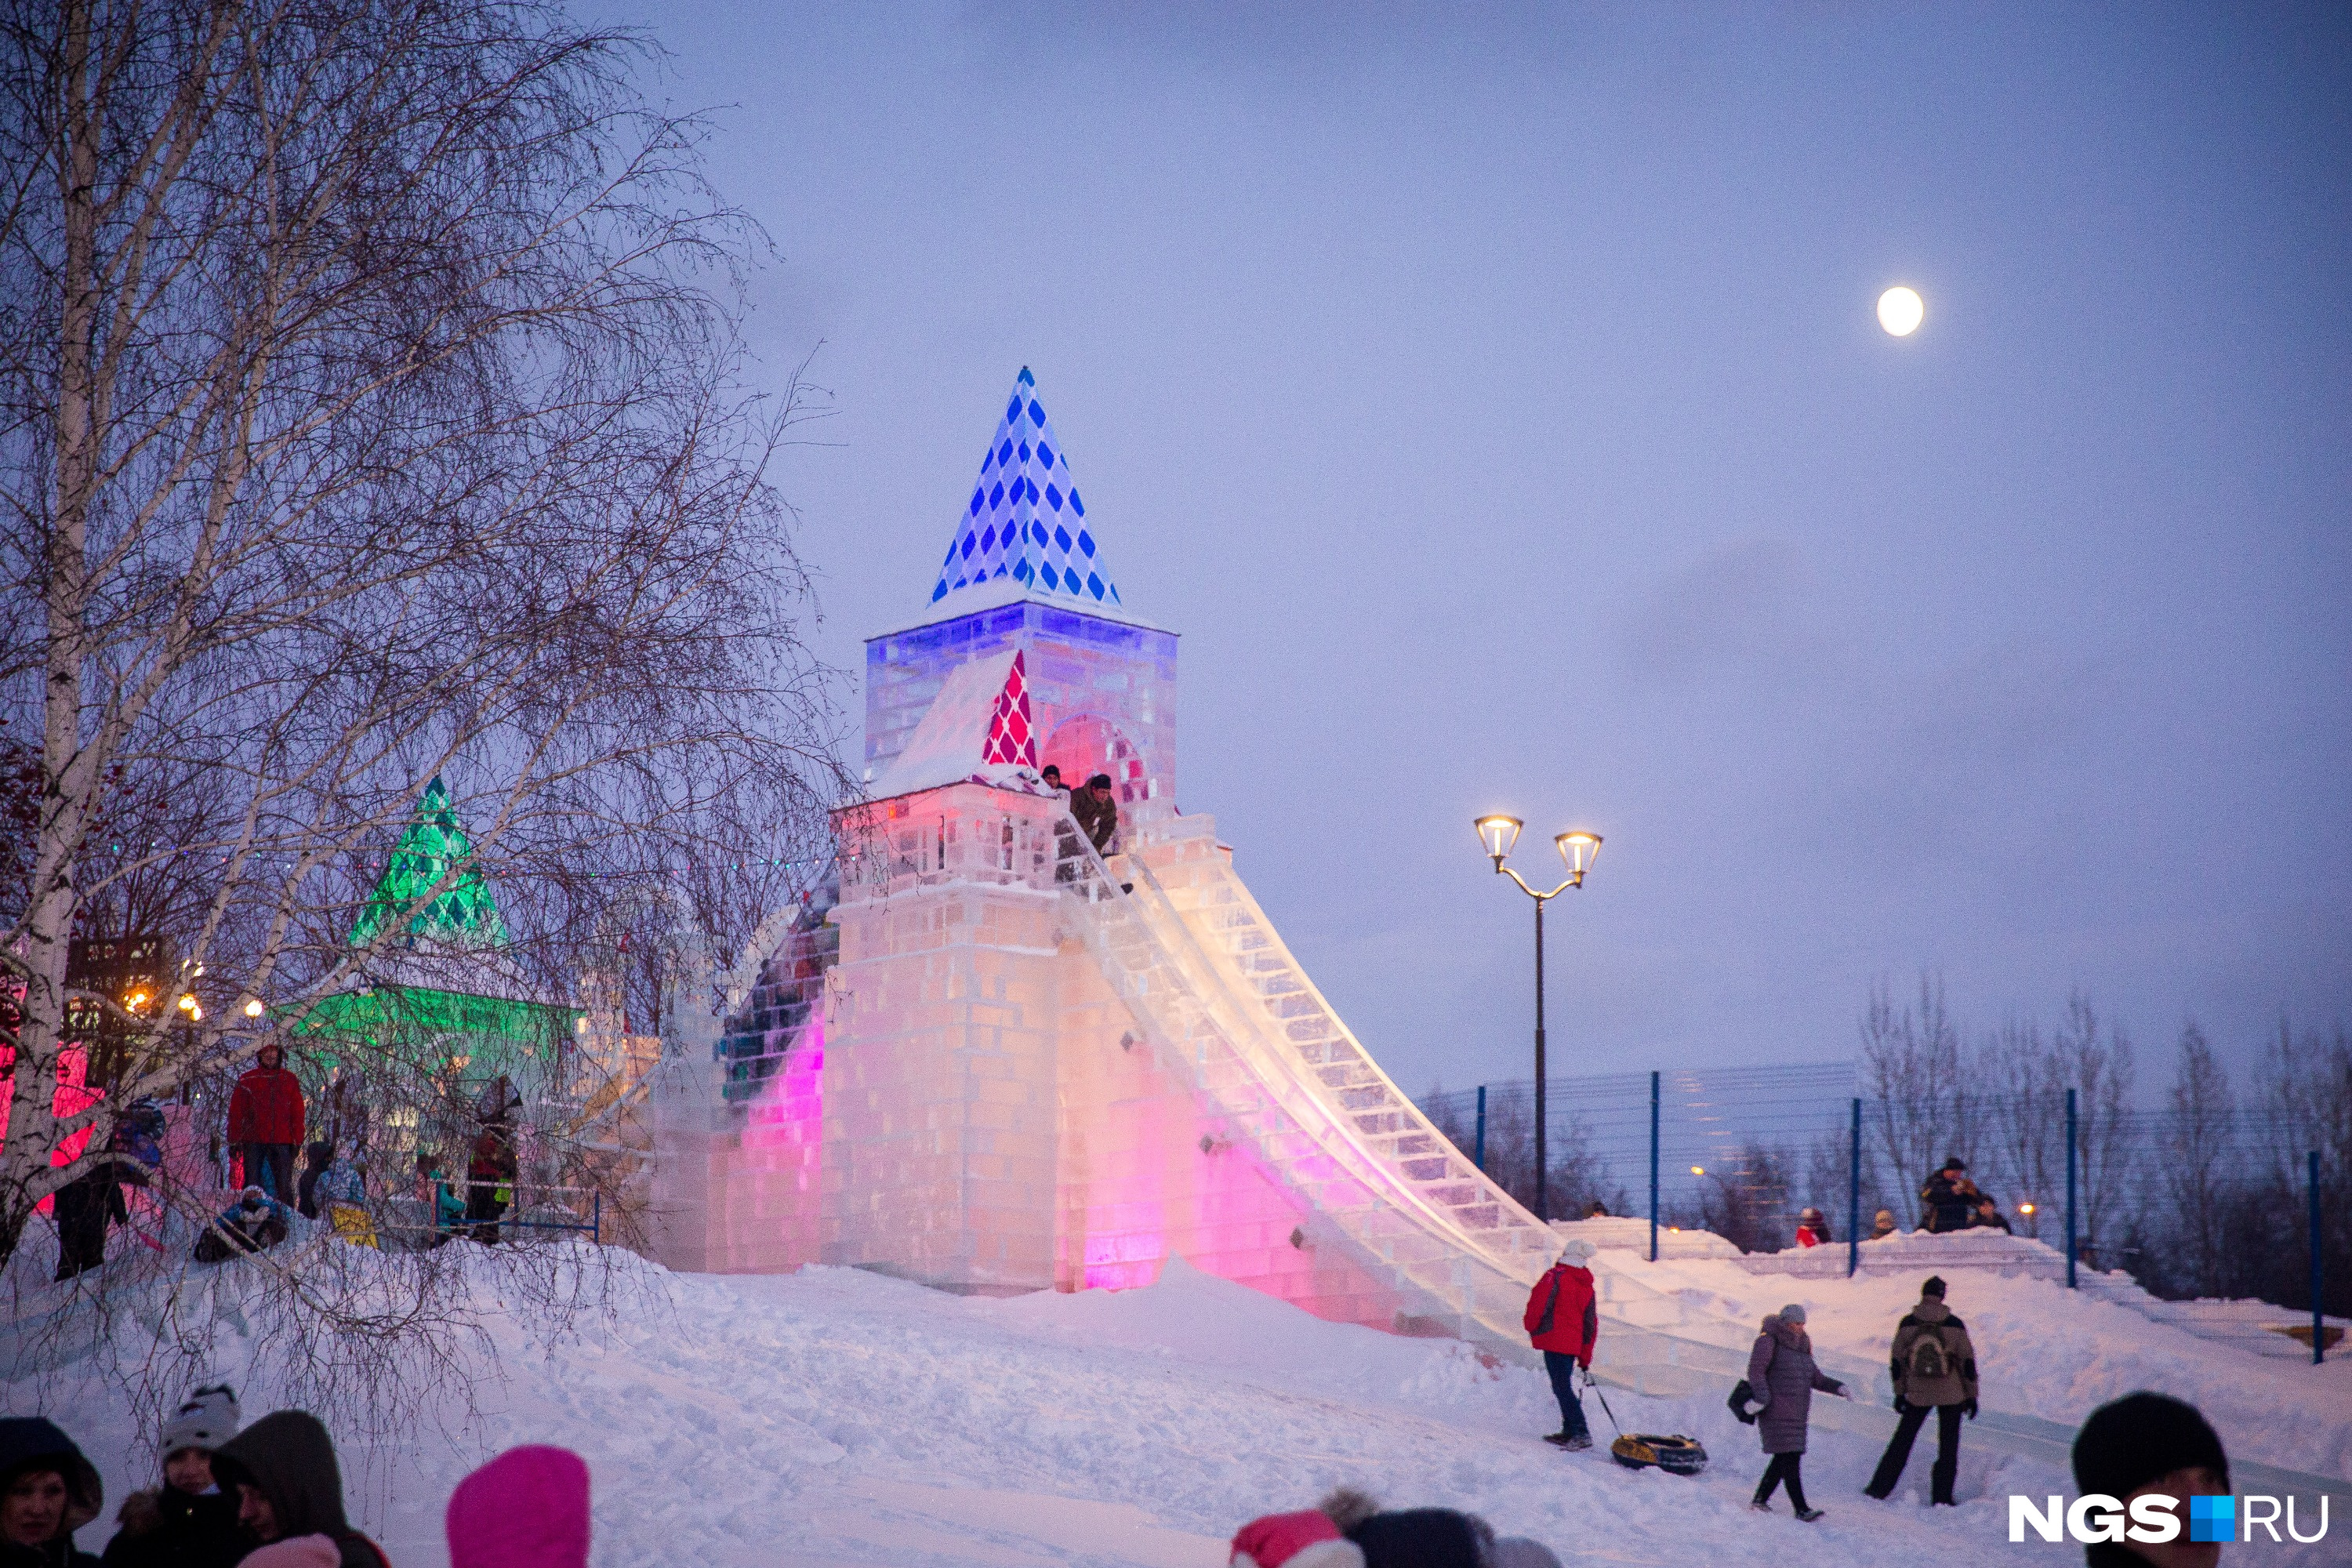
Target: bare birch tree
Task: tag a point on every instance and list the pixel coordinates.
(371, 410)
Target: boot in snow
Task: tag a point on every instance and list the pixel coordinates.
(1809, 1514)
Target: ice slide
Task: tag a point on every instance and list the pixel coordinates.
(1228, 1007)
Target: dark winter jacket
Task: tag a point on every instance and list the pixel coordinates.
(287, 1457)
(493, 1162)
(30, 1443)
(1562, 1314)
(1948, 1207)
(1420, 1538)
(1782, 1375)
(1098, 815)
(266, 1108)
(169, 1529)
(1931, 1334)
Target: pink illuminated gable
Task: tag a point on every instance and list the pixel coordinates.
(1011, 737)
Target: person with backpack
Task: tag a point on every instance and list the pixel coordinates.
(290, 1491)
(1935, 1368)
(1563, 1319)
(1781, 1378)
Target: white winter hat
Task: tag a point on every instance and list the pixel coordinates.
(206, 1419)
(1576, 1249)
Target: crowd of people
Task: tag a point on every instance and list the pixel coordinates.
(269, 1495)
(1949, 1201)
(266, 1125)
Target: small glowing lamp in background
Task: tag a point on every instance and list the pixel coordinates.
(2026, 1208)
(1698, 1170)
(1900, 311)
(1498, 834)
(252, 1008)
(135, 1001)
(188, 1006)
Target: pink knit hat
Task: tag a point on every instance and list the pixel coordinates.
(526, 1509)
(1308, 1540)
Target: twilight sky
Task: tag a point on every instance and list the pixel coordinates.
(1491, 396)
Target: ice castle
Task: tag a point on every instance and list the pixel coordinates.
(1002, 1063)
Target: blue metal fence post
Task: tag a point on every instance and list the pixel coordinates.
(2070, 1189)
(1653, 1167)
(1853, 1196)
(1482, 1127)
(2318, 1280)
(597, 1222)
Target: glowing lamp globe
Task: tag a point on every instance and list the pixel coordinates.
(1577, 851)
(1498, 834)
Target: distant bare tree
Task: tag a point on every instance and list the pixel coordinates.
(1918, 1103)
(370, 411)
(2194, 1148)
(2028, 1134)
(2095, 1060)
(1747, 1202)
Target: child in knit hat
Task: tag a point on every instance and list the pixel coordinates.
(187, 1519)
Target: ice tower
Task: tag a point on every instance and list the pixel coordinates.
(1002, 1062)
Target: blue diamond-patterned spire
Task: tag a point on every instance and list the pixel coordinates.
(1025, 523)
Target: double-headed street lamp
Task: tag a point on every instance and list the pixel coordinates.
(1498, 834)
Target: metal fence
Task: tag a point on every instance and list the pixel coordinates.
(2206, 1207)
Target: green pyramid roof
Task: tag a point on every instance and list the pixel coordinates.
(463, 912)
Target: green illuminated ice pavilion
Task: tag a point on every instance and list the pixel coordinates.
(446, 990)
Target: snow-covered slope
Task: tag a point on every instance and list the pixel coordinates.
(837, 1418)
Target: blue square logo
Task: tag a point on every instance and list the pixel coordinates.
(2212, 1519)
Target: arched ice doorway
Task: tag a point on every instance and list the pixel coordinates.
(1090, 744)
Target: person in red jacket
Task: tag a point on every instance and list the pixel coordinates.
(1563, 1319)
(265, 1122)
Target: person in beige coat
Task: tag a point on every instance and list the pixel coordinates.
(1935, 1368)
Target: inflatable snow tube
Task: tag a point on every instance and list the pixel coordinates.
(1675, 1455)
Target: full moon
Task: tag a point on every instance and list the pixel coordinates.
(1900, 311)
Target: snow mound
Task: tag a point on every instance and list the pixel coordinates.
(838, 1417)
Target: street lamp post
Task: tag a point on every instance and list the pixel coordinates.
(1577, 849)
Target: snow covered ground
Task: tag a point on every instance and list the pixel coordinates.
(840, 1418)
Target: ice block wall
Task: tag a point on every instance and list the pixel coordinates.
(1102, 691)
